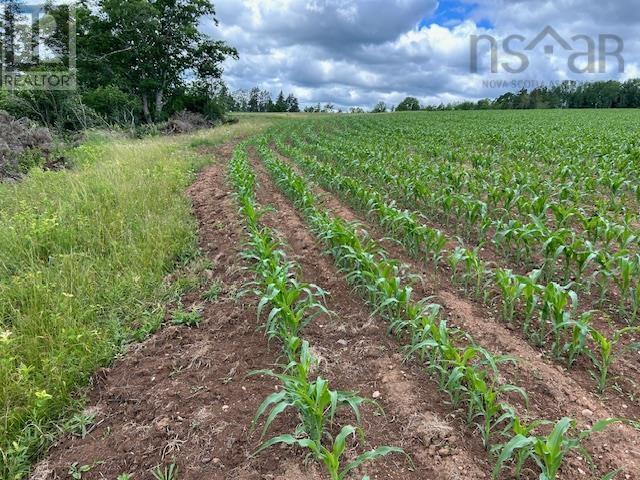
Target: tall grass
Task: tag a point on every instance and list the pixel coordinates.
(82, 257)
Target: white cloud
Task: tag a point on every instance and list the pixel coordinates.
(357, 52)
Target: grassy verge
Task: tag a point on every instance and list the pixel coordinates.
(83, 254)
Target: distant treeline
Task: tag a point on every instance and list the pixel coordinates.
(568, 94)
(257, 100)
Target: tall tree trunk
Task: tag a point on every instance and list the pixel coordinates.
(145, 109)
(159, 104)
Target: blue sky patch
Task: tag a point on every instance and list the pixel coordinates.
(453, 12)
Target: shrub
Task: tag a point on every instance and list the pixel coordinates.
(60, 110)
(22, 145)
(114, 105)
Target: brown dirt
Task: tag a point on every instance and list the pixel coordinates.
(183, 396)
(358, 355)
(553, 391)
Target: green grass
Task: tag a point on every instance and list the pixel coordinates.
(83, 255)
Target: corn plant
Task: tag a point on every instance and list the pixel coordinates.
(416, 316)
(455, 259)
(169, 472)
(475, 271)
(584, 254)
(293, 306)
(605, 352)
(554, 247)
(517, 428)
(531, 297)
(485, 409)
(315, 403)
(557, 305)
(628, 268)
(603, 275)
(580, 333)
(548, 452)
(330, 457)
(511, 288)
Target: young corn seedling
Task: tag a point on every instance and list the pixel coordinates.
(475, 270)
(520, 456)
(330, 457)
(455, 259)
(584, 254)
(417, 319)
(603, 275)
(485, 409)
(580, 333)
(563, 214)
(314, 402)
(430, 340)
(512, 289)
(554, 247)
(605, 353)
(548, 452)
(455, 367)
(628, 268)
(557, 304)
(531, 296)
(293, 306)
(435, 242)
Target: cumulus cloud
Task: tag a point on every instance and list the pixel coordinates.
(358, 52)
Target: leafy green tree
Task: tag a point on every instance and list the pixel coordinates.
(630, 94)
(9, 19)
(408, 104)
(226, 99)
(146, 47)
(380, 107)
(254, 100)
(113, 105)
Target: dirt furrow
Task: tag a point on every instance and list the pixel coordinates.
(183, 395)
(357, 354)
(553, 390)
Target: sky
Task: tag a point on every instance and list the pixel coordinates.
(355, 53)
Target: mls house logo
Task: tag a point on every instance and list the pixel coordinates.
(585, 54)
(38, 48)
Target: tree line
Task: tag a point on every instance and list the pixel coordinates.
(257, 100)
(567, 94)
(138, 61)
